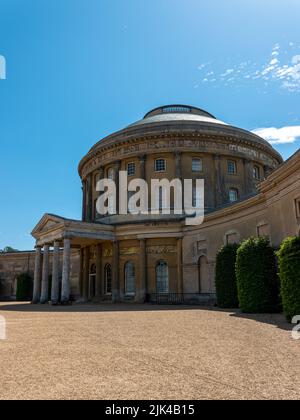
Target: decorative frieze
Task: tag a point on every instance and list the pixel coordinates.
(107, 252)
(161, 249)
(130, 251)
(207, 144)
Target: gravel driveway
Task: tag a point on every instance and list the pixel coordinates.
(145, 352)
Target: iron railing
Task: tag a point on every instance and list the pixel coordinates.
(208, 299)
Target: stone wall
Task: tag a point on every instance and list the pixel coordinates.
(13, 264)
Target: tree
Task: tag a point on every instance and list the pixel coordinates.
(7, 250)
(257, 278)
(226, 284)
(289, 272)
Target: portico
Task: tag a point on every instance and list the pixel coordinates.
(61, 236)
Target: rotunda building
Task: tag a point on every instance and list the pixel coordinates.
(157, 257)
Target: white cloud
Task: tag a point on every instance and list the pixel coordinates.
(282, 135)
(281, 68)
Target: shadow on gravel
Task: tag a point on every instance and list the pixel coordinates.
(277, 320)
(93, 307)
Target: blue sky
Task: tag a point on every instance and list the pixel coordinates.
(78, 70)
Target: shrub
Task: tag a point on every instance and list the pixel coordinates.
(289, 271)
(226, 285)
(257, 278)
(24, 287)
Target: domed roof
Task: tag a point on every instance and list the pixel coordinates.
(186, 120)
(177, 113)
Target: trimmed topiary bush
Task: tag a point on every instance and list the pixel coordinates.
(24, 287)
(289, 271)
(257, 278)
(226, 285)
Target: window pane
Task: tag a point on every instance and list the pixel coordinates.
(162, 277)
(231, 167)
(233, 195)
(131, 169)
(256, 172)
(160, 165)
(197, 165)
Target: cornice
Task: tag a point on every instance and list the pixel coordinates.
(189, 135)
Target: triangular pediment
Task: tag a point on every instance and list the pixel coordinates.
(47, 223)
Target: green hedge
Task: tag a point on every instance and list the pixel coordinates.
(226, 285)
(289, 271)
(257, 278)
(24, 287)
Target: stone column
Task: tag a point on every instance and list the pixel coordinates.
(142, 159)
(65, 287)
(143, 271)
(37, 275)
(178, 165)
(89, 198)
(101, 176)
(101, 172)
(117, 182)
(99, 285)
(81, 272)
(249, 178)
(179, 266)
(45, 276)
(55, 275)
(218, 182)
(86, 274)
(83, 201)
(115, 286)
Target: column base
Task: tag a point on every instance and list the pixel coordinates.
(43, 302)
(35, 302)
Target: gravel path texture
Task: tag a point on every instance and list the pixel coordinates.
(145, 352)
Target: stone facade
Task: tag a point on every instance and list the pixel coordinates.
(138, 258)
(13, 264)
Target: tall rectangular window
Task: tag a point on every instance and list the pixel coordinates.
(197, 165)
(256, 173)
(131, 169)
(231, 167)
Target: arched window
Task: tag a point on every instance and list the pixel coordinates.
(107, 279)
(233, 195)
(162, 277)
(129, 278)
